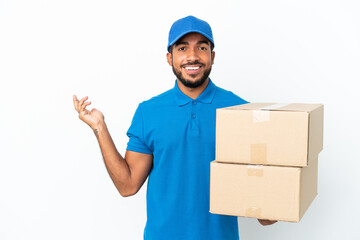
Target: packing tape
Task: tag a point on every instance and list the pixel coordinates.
(258, 153)
(254, 212)
(261, 116)
(275, 106)
(255, 170)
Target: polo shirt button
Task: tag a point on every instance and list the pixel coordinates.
(194, 102)
(193, 116)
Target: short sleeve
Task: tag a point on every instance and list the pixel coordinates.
(136, 134)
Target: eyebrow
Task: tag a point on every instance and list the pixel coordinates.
(205, 42)
(186, 43)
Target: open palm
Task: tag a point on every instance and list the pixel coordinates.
(93, 118)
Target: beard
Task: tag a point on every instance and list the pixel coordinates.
(189, 83)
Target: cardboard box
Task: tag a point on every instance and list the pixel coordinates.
(269, 134)
(260, 191)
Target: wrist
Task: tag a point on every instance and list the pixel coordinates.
(99, 128)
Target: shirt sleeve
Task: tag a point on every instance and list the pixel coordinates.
(136, 134)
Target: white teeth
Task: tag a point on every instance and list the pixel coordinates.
(192, 68)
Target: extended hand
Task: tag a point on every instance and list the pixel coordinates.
(92, 118)
(265, 222)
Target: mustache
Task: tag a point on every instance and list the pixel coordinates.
(192, 63)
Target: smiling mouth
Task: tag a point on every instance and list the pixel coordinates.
(192, 68)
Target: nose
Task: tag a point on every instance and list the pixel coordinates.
(192, 55)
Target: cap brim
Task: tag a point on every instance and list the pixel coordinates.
(187, 32)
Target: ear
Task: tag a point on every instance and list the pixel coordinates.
(212, 57)
(169, 58)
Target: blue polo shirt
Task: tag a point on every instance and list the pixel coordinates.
(180, 133)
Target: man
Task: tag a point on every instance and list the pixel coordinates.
(172, 141)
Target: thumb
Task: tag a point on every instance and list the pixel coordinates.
(97, 112)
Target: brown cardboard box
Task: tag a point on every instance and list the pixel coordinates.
(269, 134)
(260, 191)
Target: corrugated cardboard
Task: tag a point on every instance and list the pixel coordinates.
(260, 191)
(269, 134)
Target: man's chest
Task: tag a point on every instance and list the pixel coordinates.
(181, 126)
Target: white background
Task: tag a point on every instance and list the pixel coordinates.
(53, 183)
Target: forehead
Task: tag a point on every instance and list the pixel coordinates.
(193, 37)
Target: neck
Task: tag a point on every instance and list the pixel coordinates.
(192, 93)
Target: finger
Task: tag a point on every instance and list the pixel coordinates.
(266, 222)
(81, 102)
(76, 101)
(83, 107)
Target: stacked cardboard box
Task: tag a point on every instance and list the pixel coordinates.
(266, 160)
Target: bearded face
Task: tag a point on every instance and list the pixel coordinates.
(191, 59)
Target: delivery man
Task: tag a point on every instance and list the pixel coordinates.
(172, 142)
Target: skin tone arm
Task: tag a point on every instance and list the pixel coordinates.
(129, 173)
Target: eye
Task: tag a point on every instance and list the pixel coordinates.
(181, 48)
(203, 48)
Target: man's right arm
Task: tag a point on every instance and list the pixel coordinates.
(129, 173)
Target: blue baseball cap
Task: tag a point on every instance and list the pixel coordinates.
(187, 25)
